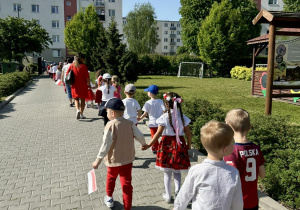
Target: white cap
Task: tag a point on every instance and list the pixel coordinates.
(106, 76)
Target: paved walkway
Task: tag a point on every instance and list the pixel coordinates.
(46, 153)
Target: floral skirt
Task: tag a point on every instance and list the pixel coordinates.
(171, 156)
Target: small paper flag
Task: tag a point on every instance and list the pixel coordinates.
(92, 181)
(58, 82)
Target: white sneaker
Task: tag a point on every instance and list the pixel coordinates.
(166, 198)
(176, 193)
(82, 117)
(78, 115)
(109, 201)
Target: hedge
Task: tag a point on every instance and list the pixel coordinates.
(11, 82)
(244, 73)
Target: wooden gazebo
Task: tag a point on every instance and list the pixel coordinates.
(287, 20)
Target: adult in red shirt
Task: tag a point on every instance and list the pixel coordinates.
(81, 84)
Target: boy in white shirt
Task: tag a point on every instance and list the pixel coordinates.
(213, 184)
(132, 107)
(154, 108)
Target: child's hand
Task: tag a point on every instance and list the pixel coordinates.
(145, 147)
(96, 163)
(138, 119)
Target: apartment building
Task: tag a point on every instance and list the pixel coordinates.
(52, 15)
(169, 34)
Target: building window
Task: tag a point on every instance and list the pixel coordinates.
(68, 3)
(172, 24)
(172, 47)
(178, 24)
(56, 53)
(172, 40)
(111, 13)
(54, 9)
(55, 38)
(157, 28)
(178, 32)
(38, 22)
(83, 9)
(166, 32)
(165, 53)
(273, 2)
(165, 39)
(172, 32)
(165, 47)
(69, 18)
(35, 8)
(17, 7)
(178, 40)
(111, 1)
(166, 24)
(55, 24)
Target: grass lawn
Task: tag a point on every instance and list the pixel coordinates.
(230, 93)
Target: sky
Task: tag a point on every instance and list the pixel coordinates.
(164, 9)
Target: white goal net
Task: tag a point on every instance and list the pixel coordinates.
(190, 69)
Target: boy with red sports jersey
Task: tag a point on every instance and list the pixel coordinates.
(246, 157)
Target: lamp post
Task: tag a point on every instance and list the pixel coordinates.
(19, 9)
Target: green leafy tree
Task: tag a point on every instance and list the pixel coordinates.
(98, 53)
(128, 67)
(291, 5)
(19, 36)
(140, 29)
(114, 51)
(82, 31)
(222, 38)
(193, 12)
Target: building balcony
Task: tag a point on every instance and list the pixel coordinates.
(99, 4)
(172, 28)
(101, 17)
(172, 43)
(172, 35)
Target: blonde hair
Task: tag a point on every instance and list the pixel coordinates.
(239, 120)
(216, 135)
(116, 80)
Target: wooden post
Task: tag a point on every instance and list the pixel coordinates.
(270, 72)
(253, 69)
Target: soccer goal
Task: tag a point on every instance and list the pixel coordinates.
(190, 69)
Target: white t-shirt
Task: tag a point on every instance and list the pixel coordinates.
(211, 185)
(155, 108)
(65, 69)
(53, 69)
(106, 96)
(164, 121)
(131, 108)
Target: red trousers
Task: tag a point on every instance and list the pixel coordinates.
(155, 145)
(125, 179)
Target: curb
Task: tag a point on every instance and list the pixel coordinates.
(12, 96)
(265, 202)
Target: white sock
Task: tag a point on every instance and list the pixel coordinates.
(167, 182)
(177, 181)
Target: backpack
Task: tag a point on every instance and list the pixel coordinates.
(70, 77)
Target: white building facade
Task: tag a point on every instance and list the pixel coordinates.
(51, 15)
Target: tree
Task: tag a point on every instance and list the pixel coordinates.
(19, 36)
(291, 5)
(140, 29)
(82, 31)
(194, 12)
(222, 38)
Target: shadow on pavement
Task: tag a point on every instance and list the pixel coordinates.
(7, 109)
(146, 163)
(90, 119)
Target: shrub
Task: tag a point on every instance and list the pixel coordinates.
(11, 82)
(241, 73)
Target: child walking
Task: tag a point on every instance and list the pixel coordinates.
(118, 152)
(107, 93)
(212, 184)
(172, 155)
(116, 83)
(154, 108)
(98, 95)
(132, 107)
(246, 157)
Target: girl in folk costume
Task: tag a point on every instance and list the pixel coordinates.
(115, 81)
(107, 93)
(172, 155)
(91, 95)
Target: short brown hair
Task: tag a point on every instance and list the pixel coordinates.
(216, 135)
(239, 120)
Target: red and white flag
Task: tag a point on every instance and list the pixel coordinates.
(58, 82)
(92, 181)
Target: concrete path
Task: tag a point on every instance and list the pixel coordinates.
(46, 153)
